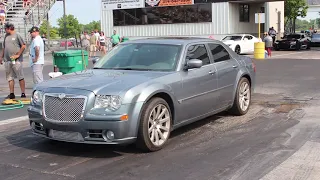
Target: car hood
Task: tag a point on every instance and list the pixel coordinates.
(95, 80)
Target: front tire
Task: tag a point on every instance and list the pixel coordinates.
(155, 125)
(242, 98)
(237, 49)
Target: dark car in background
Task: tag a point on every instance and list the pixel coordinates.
(293, 42)
(315, 39)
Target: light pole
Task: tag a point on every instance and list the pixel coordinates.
(65, 23)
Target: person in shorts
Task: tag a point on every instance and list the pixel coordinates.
(12, 57)
(36, 55)
(93, 44)
(102, 40)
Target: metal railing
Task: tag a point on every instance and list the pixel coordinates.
(40, 12)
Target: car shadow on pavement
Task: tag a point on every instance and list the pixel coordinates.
(198, 124)
(26, 140)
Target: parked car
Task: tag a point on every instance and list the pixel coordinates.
(141, 91)
(315, 39)
(240, 43)
(293, 41)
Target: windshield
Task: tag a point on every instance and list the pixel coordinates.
(234, 38)
(292, 36)
(148, 57)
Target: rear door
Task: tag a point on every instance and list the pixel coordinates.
(227, 70)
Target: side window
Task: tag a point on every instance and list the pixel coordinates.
(248, 37)
(219, 53)
(198, 51)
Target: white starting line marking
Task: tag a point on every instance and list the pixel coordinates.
(303, 164)
(13, 120)
(278, 55)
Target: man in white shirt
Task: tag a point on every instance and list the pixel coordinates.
(36, 55)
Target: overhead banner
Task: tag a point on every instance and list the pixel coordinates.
(160, 3)
(121, 4)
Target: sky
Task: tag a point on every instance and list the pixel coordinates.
(84, 12)
(311, 15)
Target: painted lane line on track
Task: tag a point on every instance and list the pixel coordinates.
(278, 55)
(13, 120)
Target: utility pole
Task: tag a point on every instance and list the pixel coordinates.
(48, 28)
(65, 23)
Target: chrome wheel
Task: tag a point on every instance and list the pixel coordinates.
(159, 125)
(244, 96)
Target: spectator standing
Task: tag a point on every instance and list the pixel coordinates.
(36, 55)
(268, 43)
(97, 34)
(2, 13)
(93, 44)
(115, 39)
(85, 41)
(44, 38)
(13, 47)
(102, 40)
(273, 34)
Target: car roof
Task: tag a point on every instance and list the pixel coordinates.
(172, 40)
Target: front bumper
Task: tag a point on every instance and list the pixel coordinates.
(92, 129)
(285, 46)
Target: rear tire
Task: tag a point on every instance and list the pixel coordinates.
(155, 125)
(242, 100)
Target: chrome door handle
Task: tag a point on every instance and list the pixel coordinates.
(212, 72)
(234, 66)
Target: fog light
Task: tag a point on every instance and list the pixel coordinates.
(110, 135)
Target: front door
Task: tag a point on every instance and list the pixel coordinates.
(227, 70)
(199, 92)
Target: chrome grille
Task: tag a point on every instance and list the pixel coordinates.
(67, 109)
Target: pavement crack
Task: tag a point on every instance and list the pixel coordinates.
(37, 170)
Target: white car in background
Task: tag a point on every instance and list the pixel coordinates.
(240, 43)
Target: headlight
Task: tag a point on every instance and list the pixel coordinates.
(109, 102)
(37, 97)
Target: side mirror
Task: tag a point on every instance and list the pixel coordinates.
(194, 63)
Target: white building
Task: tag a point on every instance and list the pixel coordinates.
(195, 18)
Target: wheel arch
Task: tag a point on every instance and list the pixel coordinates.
(245, 75)
(163, 93)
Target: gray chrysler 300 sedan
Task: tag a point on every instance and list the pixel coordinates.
(141, 91)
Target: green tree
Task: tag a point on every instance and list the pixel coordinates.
(44, 30)
(94, 25)
(294, 9)
(73, 27)
(302, 25)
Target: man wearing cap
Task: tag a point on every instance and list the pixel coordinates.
(36, 55)
(12, 57)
